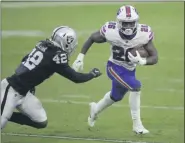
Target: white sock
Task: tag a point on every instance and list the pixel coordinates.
(134, 101)
(105, 102)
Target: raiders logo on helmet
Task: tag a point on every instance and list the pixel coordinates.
(70, 39)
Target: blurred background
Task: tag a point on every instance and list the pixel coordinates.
(25, 23)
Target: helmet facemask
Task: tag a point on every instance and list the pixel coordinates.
(70, 45)
(127, 28)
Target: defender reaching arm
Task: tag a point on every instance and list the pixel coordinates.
(69, 73)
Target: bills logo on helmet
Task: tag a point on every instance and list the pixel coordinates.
(128, 11)
(70, 39)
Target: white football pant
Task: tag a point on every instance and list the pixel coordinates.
(29, 105)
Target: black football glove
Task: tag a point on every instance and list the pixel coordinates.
(96, 72)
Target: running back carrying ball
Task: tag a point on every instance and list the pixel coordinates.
(143, 53)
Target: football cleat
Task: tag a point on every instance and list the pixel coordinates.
(93, 116)
(139, 129)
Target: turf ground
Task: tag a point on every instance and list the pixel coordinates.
(66, 103)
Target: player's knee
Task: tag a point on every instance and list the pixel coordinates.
(116, 98)
(118, 93)
(136, 89)
(42, 125)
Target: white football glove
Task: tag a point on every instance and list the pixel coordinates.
(137, 59)
(78, 63)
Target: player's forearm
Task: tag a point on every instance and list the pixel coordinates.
(74, 76)
(151, 60)
(95, 37)
(81, 77)
(87, 45)
(78, 77)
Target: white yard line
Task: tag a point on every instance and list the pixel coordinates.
(49, 3)
(22, 33)
(52, 4)
(74, 138)
(114, 105)
(75, 96)
(37, 33)
(169, 90)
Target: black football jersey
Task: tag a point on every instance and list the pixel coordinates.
(44, 60)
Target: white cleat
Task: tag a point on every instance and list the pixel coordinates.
(139, 129)
(93, 116)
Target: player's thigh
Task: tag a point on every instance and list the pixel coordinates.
(126, 78)
(109, 65)
(132, 83)
(9, 99)
(32, 107)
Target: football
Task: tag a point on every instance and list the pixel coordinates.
(143, 53)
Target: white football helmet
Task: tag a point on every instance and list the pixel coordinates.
(65, 38)
(127, 19)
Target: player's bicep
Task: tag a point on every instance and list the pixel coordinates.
(97, 37)
(150, 48)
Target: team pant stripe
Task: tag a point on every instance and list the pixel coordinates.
(119, 79)
(4, 99)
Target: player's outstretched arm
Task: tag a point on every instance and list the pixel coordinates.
(61, 66)
(77, 77)
(153, 54)
(95, 37)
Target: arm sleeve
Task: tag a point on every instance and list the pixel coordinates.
(62, 67)
(67, 72)
(151, 35)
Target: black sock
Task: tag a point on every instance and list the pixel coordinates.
(22, 119)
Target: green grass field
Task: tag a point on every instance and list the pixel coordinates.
(66, 103)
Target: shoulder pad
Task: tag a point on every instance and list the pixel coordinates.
(146, 31)
(60, 57)
(48, 43)
(107, 29)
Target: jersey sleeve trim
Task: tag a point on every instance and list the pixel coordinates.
(151, 36)
(103, 30)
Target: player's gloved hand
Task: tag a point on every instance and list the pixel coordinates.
(96, 72)
(137, 59)
(78, 63)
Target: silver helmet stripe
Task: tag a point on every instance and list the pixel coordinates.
(57, 30)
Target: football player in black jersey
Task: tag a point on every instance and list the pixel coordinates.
(48, 57)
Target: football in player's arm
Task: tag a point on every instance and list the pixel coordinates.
(98, 37)
(48, 57)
